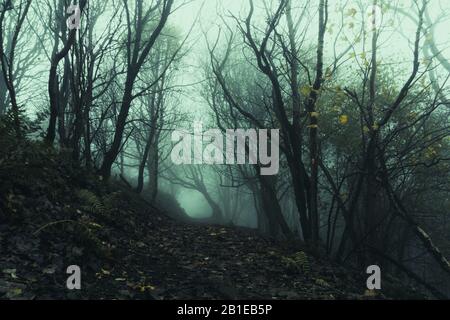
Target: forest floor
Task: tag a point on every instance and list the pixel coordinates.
(53, 216)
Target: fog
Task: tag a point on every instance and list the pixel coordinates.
(353, 96)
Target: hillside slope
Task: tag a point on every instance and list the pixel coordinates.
(53, 216)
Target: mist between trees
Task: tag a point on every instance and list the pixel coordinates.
(357, 89)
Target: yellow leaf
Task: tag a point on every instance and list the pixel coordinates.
(305, 90)
(352, 12)
(412, 115)
(313, 126)
(13, 293)
(144, 288)
(370, 293)
(431, 152)
(17, 291)
(95, 225)
(314, 114)
(343, 119)
(105, 272)
(11, 273)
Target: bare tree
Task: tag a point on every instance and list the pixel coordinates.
(137, 51)
(7, 55)
(57, 56)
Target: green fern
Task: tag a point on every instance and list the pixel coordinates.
(297, 262)
(322, 283)
(111, 201)
(91, 202)
(302, 259)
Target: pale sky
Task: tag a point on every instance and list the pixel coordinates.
(395, 42)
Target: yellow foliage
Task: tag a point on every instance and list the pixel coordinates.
(431, 153)
(144, 288)
(343, 119)
(352, 12)
(305, 90)
(412, 115)
(370, 293)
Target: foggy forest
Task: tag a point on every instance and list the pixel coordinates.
(224, 149)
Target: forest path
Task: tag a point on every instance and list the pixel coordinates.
(165, 259)
(181, 261)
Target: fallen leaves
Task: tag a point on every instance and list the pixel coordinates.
(12, 290)
(106, 272)
(120, 279)
(49, 270)
(10, 272)
(13, 293)
(143, 288)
